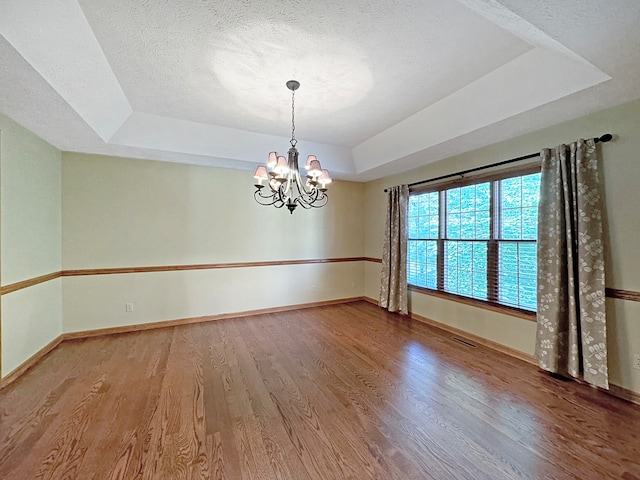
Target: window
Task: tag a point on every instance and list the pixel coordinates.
(477, 240)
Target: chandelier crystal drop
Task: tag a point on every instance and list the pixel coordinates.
(282, 176)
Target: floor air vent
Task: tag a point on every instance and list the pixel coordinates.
(464, 342)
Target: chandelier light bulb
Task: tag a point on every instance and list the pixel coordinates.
(310, 159)
(282, 167)
(315, 170)
(261, 174)
(273, 160)
(324, 178)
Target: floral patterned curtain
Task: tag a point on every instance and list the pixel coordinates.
(571, 336)
(393, 281)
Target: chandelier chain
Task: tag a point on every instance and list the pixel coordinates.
(293, 119)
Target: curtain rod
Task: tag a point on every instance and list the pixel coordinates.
(604, 139)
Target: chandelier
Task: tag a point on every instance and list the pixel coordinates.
(285, 184)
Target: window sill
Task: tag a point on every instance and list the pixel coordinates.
(514, 312)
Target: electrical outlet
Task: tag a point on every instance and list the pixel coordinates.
(636, 361)
(128, 307)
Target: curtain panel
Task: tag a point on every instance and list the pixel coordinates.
(393, 278)
(571, 336)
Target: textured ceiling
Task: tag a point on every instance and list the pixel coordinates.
(386, 85)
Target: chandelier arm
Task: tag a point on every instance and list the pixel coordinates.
(321, 202)
(302, 187)
(307, 196)
(263, 200)
(280, 196)
(258, 193)
(305, 201)
(310, 199)
(318, 200)
(267, 200)
(302, 204)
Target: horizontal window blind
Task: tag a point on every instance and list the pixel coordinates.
(477, 239)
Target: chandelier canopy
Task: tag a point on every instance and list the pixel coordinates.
(285, 184)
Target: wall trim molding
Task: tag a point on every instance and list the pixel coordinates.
(498, 347)
(468, 336)
(616, 293)
(44, 351)
(371, 300)
(30, 282)
(30, 362)
(628, 395)
(622, 294)
(204, 266)
(13, 287)
(372, 259)
(203, 319)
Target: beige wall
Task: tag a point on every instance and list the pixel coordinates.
(621, 173)
(129, 213)
(30, 236)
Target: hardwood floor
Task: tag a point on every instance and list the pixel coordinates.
(337, 392)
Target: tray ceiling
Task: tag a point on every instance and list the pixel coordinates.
(385, 85)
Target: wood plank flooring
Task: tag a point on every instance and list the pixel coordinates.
(338, 392)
